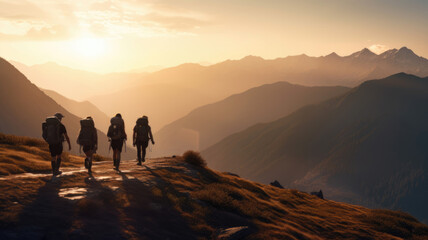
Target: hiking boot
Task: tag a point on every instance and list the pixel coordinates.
(139, 163)
(57, 172)
(86, 163)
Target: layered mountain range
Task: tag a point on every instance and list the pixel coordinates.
(368, 146)
(24, 107)
(171, 93)
(209, 124)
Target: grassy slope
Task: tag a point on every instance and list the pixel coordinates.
(195, 202)
(29, 155)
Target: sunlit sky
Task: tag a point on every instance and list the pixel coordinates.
(108, 36)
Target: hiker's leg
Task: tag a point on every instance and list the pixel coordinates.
(89, 156)
(145, 145)
(114, 157)
(58, 162)
(53, 164)
(87, 159)
(53, 151)
(144, 154)
(140, 153)
(118, 159)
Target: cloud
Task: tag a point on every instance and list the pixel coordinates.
(175, 23)
(54, 33)
(378, 48)
(42, 20)
(15, 10)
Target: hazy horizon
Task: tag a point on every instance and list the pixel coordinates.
(117, 36)
(155, 68)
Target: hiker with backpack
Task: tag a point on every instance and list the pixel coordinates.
(88, 139)
(142, 135)
(116, 134)
(54, 133)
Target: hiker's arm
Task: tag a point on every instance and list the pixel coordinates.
(134, 136)
(151, 136)
(68, 141)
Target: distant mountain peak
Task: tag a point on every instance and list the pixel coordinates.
(332, 55)
(388, 53)
(252, 58)
(405, 52)
(364, 53)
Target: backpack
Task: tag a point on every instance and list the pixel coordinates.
(86, 134)
(51, 131)
(142, 129)
(116, 129)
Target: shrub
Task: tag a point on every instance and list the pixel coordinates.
(194, 158)
(99, 158)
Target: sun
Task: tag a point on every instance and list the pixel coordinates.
(89, 47)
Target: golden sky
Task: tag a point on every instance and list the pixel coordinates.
(113, 35)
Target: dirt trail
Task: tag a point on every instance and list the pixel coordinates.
(106, 204)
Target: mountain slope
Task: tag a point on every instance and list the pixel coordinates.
(162, 103)
(208, 124)
(24, 107)
(173, 199)
(367, 146)
(198, 85)
(81, 109)
(76, 84)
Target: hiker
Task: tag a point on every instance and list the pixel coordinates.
(54, 133)
(88, 139)
(142, 135)
(116, 134)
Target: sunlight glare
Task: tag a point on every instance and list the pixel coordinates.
(89, 47)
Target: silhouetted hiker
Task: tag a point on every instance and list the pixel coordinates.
(142, 135)
(117, 135)
(88, 139)
(54, 133)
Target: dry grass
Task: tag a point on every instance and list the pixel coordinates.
(219, 200)
(99, 158)
(19, 141)
(205, 200)
(194, 158)
(24, 154)
(395, 223)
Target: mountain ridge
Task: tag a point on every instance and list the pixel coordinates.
(210, 123)
(24, 108)
(372, 134)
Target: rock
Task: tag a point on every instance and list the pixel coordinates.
(318, 194)
(231, 174)
(234, 233)
(276, 184)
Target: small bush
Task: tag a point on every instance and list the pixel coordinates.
(194, 158)
(99, 158)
